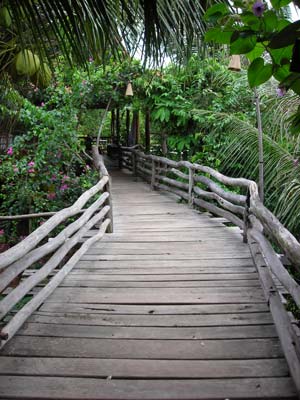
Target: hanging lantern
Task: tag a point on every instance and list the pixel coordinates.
(129, 91)
(235, 63)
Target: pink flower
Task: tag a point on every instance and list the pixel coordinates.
(42, 104)
(91, 59)
(295, 162)
(65, 178)
(15, 168)
(31, 164)
(87, 167)
(31, 171)
(53, 177)
(1, 232)
(64, 187)
(51, 195)
(10, 151)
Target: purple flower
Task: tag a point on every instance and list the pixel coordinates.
(10, 151)
(258, 8)
(281, 91)
(31, 164)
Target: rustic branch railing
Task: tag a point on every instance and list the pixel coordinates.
(200, 186)
(16, 260)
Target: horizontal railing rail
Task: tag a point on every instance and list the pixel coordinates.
(25, 254)
(207, 189)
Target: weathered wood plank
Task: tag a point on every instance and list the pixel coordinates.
(137, 349)
(163, 277)
(152, 320)
(158, 295)
(177, 309)
(97, 389)
(160, 257)
(155, 284)
(216, 263)
(133, 332)
(120, 368)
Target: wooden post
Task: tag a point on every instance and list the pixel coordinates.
(153, 172)
(164, 144)
(147, 131)
(246, 218)
(127, 127)
(118, 138)
(134, 164)
(191, 187)
(113, 126)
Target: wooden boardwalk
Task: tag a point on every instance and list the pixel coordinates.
(167, 307)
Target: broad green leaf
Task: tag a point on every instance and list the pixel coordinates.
(282, 72)
(215, 12)
(248, 18)
(280, 3)
(286, 36)
(243, 45)
(217, 35)
(281, 56)
(259, 73)
(270, 21)
(256, 52)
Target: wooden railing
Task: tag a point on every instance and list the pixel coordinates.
(200, 186)
(25, 254)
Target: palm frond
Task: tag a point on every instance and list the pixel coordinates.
(88, 27)
(240, 156)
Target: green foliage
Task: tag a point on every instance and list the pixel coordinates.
(261, 33)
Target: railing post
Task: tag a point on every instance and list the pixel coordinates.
(134, 164)
(108, 202)
(246, 217)
(153, 172)
(191, 187)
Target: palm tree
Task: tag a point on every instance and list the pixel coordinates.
(100, 28)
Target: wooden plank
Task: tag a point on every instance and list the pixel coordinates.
(140, 349)
(97, 389)
(163, 257)
(132, 332)
(158, 295)
(163, 277)
(94, 268)
(177, 309)
(229, 264)
(87, 282)
(120, 368)
(152, 320)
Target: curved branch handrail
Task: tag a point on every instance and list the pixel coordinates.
(163, 173)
